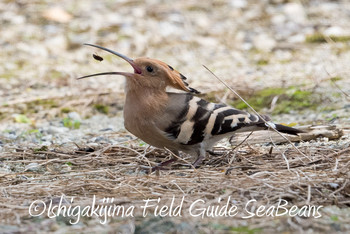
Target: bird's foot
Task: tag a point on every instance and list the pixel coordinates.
(161, 165)
(198, 162)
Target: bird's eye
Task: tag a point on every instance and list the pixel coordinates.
(149, 69)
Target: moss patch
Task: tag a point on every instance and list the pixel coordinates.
(54, 74)
(102, 108)
(66, 110)
(336, 78)
(70, 123)
(289, 99)
(320, 38)
(22, 119)
(45, 103)
(262, 62)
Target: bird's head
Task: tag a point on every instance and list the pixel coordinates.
(149, 73)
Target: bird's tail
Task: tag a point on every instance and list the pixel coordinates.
(288, 130)
(279, 127)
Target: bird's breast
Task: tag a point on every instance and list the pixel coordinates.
(146, 130)
(141, 113)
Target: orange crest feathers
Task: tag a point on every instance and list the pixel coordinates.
(177, 80)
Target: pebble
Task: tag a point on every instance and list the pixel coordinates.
(264, 42)
(74, 116)
(93, 145)
(167, 29)
(327, 7)
(333, 185)
(65, 168)
(101, 139)
(106, 129)
(47, 138)
(56, 130)
(239, 3)
(335, 31)
(5, 169)
(278, 19)
(299, 38)
(32, 167)
(295, 12)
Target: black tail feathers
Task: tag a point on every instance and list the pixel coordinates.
(288, 130)
(279, 127)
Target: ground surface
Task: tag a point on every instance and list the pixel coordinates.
(63, 137)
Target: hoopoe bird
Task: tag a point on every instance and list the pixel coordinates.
(178, 121)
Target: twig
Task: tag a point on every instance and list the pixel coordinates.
(243, 140)
(337, 86)
(340, 189)
(140, 155)
(308, 195)
(177, 157)
(337, 153)
(173, 182)
(282, 153)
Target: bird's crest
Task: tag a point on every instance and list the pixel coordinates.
(177, 80)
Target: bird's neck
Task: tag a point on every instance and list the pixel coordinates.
(144, 102)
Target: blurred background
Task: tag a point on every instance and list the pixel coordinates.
(287, 58)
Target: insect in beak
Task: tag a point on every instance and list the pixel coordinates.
(137, 70)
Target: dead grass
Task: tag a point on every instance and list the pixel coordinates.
(244, 173)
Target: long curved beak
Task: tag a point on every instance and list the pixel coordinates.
(137, 70)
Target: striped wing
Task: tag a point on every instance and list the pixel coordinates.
(200, 120)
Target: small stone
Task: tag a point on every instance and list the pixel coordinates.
(65, 168)
(208, 42)
(239, 3)
(168, 29)
(335, 31)
(75, 40)
(327, 7)
(295, 12)
(32, 167)
(56, 130)
(247, 46)
(203, 22)
(333, 185)
(56, 43)
(74, 116)
(101, 130)
(57, 14)
(54, 227)
(283, 55)
(298, 38)
(264, 42)
(93, 145)
(46, 138)
(278, 19)
(101, 139)
(5, 169)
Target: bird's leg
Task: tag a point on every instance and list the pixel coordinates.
(201, 156)
(162, 164)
